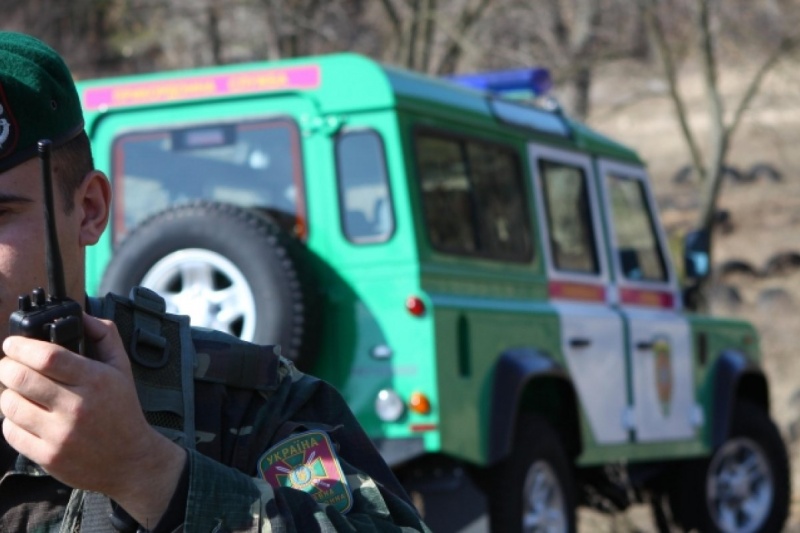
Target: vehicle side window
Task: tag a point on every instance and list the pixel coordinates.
(569, 217)
(366, 206)
(640, 256)
(250, 164)
(473, 198)
(501, 201)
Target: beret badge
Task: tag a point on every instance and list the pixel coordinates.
(38, 99)
(8, 126)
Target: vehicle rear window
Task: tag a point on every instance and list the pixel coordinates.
(473, 198)
(251, 164)
(366, 206)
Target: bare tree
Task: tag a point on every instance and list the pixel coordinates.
(430, 35)
(708, 164)
(572, 38)
(77, 29)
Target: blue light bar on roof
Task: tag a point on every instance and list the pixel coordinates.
(536, 80)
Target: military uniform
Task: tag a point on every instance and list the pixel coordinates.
(283, 420)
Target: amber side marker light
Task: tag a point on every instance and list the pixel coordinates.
(415, 306)
(419, 403)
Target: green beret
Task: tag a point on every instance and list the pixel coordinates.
(38, 99)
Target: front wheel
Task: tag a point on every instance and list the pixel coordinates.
(532, 490)
(744, 486)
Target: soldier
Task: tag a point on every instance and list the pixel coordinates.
(185, 430)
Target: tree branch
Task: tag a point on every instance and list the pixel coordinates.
(709, 63)
(428, 33)
(660, 43)
(719, 134)
(786, 46)
(411, 42)
(468, 19)
(394, 18)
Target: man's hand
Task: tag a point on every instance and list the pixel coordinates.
(81, 421)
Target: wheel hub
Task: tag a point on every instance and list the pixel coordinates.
(739, 487)
(208, 288)
(543, 502)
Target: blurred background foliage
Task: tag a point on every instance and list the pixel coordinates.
(579, 41)
(571, 37)
(702, 89)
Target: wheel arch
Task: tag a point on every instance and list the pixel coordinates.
(735, 378)
(526, 379)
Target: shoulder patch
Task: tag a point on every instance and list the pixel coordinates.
(307, 461)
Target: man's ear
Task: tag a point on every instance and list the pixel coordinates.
(93, 201)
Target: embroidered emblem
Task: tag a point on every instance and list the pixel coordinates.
(663, 368)
(5, 128)
(307, 461)
(8, 129)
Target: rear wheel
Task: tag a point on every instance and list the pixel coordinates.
(532, 490)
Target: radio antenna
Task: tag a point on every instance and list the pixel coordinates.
(54, 318)
(55, 267)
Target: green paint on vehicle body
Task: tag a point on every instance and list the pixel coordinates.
(486, 292)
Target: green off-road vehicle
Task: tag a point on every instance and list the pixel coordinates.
(485, 280)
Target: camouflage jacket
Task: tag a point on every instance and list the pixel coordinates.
(264, 460)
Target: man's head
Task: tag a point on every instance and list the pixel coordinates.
(38, 100)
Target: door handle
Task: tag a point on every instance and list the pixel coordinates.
(579, 342)
(644, 345)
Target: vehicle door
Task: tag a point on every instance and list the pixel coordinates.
(592, 338)
(247, 151)
(648, 295)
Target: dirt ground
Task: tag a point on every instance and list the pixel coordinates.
(759, 242)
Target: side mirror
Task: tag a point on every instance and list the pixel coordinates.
(696, 257)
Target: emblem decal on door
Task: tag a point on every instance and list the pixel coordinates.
(663, 370)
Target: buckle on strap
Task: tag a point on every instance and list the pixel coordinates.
(148, 346)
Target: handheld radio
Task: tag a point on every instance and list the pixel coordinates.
(54, 317)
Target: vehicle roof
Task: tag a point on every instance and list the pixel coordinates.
(331, 80)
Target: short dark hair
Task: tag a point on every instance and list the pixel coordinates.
(72, 162)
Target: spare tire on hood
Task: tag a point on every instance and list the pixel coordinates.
(226, 267)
